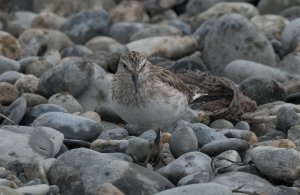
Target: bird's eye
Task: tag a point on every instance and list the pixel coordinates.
(143, 66)
(124, 65)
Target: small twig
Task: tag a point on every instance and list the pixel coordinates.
(5, 117)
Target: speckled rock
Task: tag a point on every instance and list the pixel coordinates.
(48, 20)
(92, 115)
(290, 63)
(103, 43)
(127, 11)
(263, 90)
(71, 76)
(286, 118)
(76, 50)
(156, 6)
(221, 124)
(282, 143)
(7, 64)
(172, 47)
(38, 67)
(9, 46)
(115, 134)
(99, 169)
(66, 101)
(34, 99)
(185, 165)
(27, 84)
(240, 70)
(183, 140)
(240, 38)
(277, 163)
(245, 9)
(72, 126)
(290, 36)
(92, 23)
(109, 146)
(275, 6)
(36, 42)
(8, 93)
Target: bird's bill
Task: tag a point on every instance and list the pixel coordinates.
(135, 79)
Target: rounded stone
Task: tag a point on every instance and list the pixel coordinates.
(66, 101)
(149, 135)
(34, 99)
(88, 165)
(205, 134)
(92, 115)
(27, 84)
(221, 124)
(243, 40)
(183, 140)
(15, 112)
(277, 163)
(38, 67)
(286, 118)
(290, 35)
(109, 146)
(242, 125)
(85, 25)
(76, 50)
(9, 46)
(48, 20)
(7, 64)
(192, 62)
(114, 134)
(10, 76)
(282, 143)
(139, 148)
(263, 90)
(216, 147)
(184, 27)
(249, 136)
(187, 164)
(127, 11)
(72, 126)
(274, 6)
(71, 76)
(290, 62)
(103, 43)
(291, 13)
(198, 177)
(8, 93)
(37, 42)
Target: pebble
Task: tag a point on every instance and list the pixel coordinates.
(198, 177)
(294, 135)
(242, 125)
(10, 76)
(92, 22)
(27, 84)
(7, 64)
(92, 115)
(173, 46)
(70, 76)
(8, 93)
(72, 126)
(290, 62)
(150, 135)
(277, 163)
(286, 118)
(76, 50)
(127, 11)
(184, 27)
(205, 134)
(263, 90)
(192, 62)
(139, 148)
(20, 21)
(109, 146)
(35, 189)
(66, 101)
(271, 7)
(35, 142)
(240, 70)
(187, 164)
(108, 114)
(226, 160)
(103, 43)
(249, 136)
(291, 13)
(282, 143)
(182, 141)
(205, 188)
(114, 134)
(34, 99)
(242, 37)
(290, 36)
(221, 124)
(48, 20)
(38, 67)
(108, 189)
(15, 112)
(216, 147)
(82, 163)
(9, 46)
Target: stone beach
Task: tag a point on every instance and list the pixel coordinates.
(58, 134)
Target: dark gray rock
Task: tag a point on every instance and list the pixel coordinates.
(139, 148)
(116, 134)
(286, 118)
(290, 62)
(8, 93)
(187, 164)
(245, 181)
(179, 124)
(263, 90)
(87, 165)
(221, 124)
(216, 147)
(294, 135)
(189, 63)
(107, 114)
(291, 13)
(71, 76)
(135, 130)
(277, 163)
(225, 161)
(38, 110)
(28, 143)
(194, 189)
(85, 25)
(275, 6)
(290, 36)
(183, 140)
(33, 99)
(15, 112)
(76, 50)
(205, 134)
(72, 126)
(66, 101)
(243, 41)
(274, 135)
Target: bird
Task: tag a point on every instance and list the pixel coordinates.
(147, 95)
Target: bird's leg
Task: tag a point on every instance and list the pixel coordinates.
(156, 146)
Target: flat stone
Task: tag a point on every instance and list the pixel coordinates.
(194, 178)
(286, 118)
(97, 168)
(34, 99)
(72, 126)
(115, 134)
(66, 101)
(110, 146)
(10, 76)
(7, 64)
(15, 112)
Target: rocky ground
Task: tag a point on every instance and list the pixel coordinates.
(60, 137)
